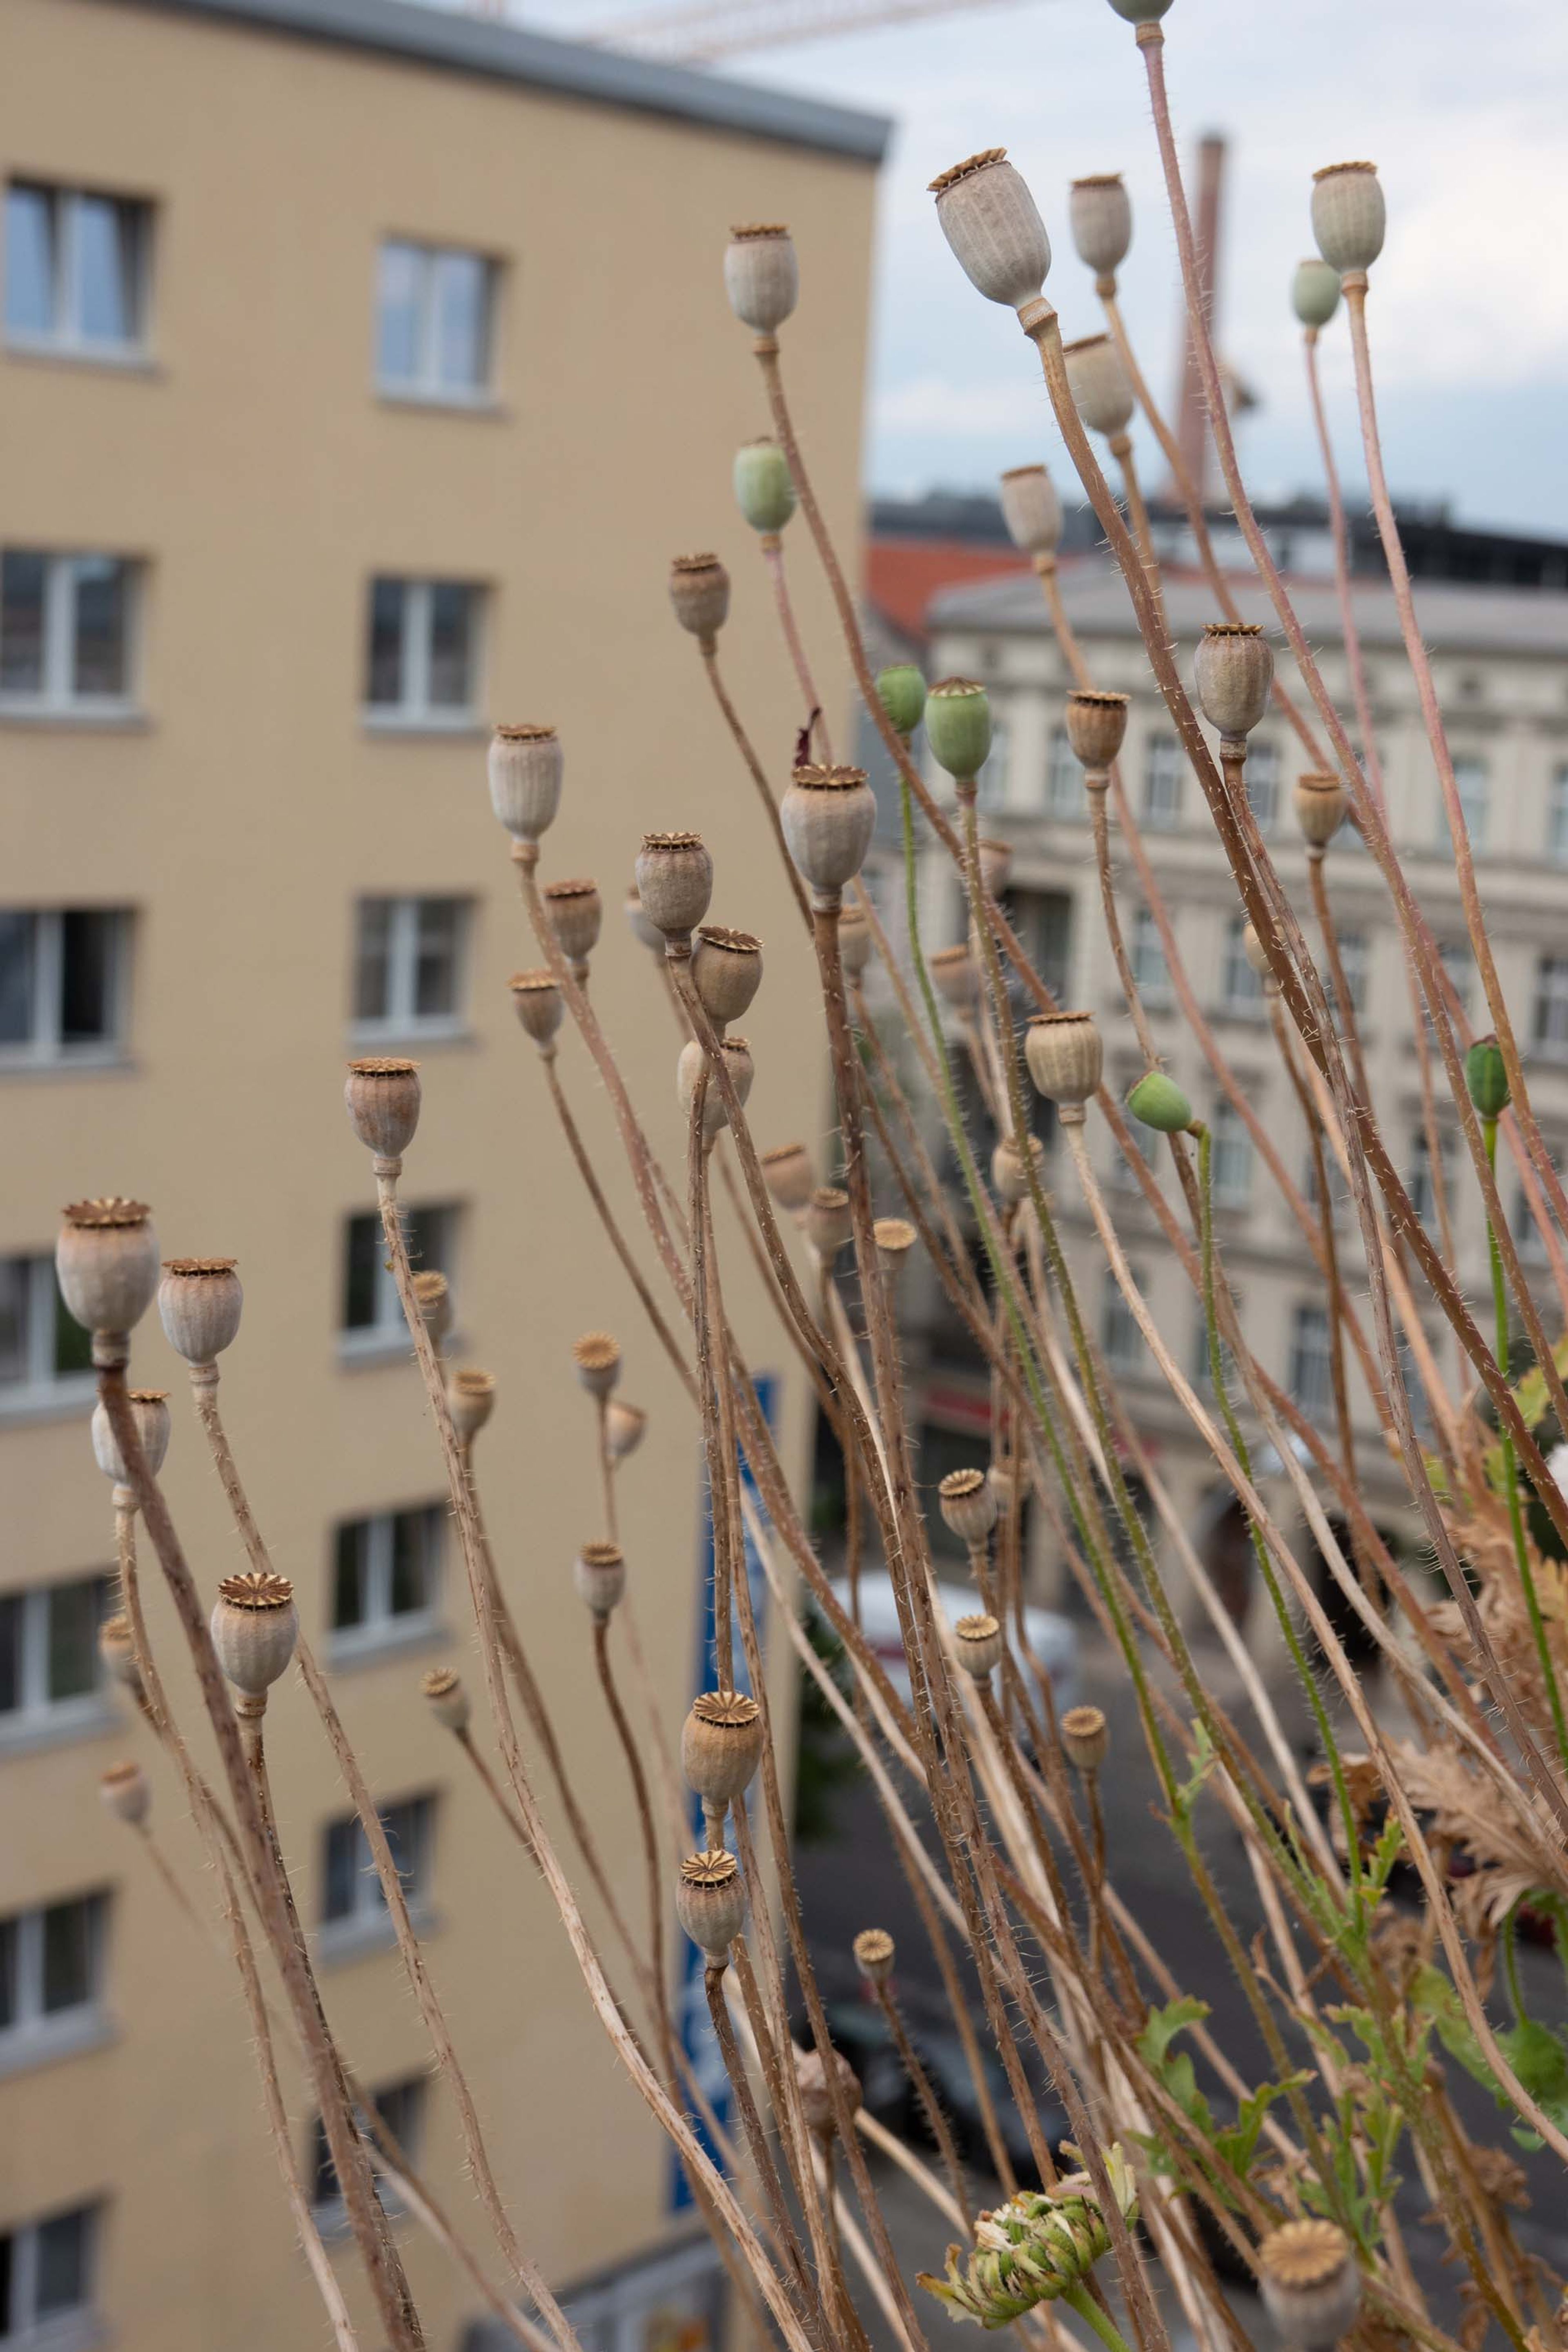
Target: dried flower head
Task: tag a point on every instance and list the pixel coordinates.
(1096, 724)
(199, 1304)
(117, 1649)
(1349, 216)
(816, 2086)
(1235, 673)
(721, 1745)
(106, 1261)
(874, 1954)
(539, 1005)
(788, 1171)
(150, 1413)
(827, 815)
(443, 1687)
(624, 1428)
(1010, 1173)
(827, 1221)
(1256, 954)
(1309, 2284)
(434, 1294)
(471, 1401)
(675, 882)
(711, 1902)
(895, 1237)
(1031, 510)
(577, 912)
(1085, 1737)
(1099, 212)
(689, 1069)
(525, 767)
(1066, 1058)
(597, 1357)
(599, 1573)
(1100, 390)
(855, 942)
(382, 1096)
(727, 968)
(699, 596)
(977, 1645)
(127, 1791)
(993, 227)
(968, 1505)
(995, 864)
(254, 1629)
(761, 275)
(955, 976)
(1321, 804)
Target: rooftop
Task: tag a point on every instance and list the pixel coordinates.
(452, 42)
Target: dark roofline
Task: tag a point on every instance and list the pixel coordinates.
(473, 45)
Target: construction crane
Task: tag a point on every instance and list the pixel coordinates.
(699, 32)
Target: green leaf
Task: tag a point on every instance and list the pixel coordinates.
(1239, 2145)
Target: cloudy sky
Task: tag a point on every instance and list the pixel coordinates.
(1460, 104)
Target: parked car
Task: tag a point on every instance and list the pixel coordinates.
(1052, 1638)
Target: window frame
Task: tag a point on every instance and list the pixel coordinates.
(1550, 996)
(1154, 816)
(1117, 1321)
(38, 2035)
(382, 1628)
(1315, 1407)
(426, 389)
(1244, 1002)
(388, 1334)
(57, 696)
(1157, 992)
(1230, 1140)
(42, 1387)
(402, 968)
(329, 2213)
(68, 341)
(59, 2331)
(367, 1923)
(1557, 842)
(47, 1049)
(35, 1715)
(414, 714)
(1067, 798)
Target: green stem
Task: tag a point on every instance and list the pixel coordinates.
(1084, 2304)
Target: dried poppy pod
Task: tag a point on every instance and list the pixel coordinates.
(254, 1628)
(993, 228)
(647, 934)
(977, 1645)
(599, 1573)
(525, 767)
(995, 866)
(444, 1687)
(1320, 803)
(1065, 1057)
(721, 1745)
(199, 1304)
(895, 1237)
(1096, 724)
(1315, 291)
(700, 595)
(1309, 2284)
(957, 727)
(1009, 1173)
(1031, 510)
(1007, 1479)
(434, 1295)
(761, 275)
(787, 1172)
(693, 1060)
(874, 1952)
(1085, 1737)
(576, 915)
(625, 1426)
(955, 976)
(711, 1902)
(828, 1223)
(764, 488)
(855, 942)
(127, 1791)
(1100, 212)
(1100, 391)
(727, 968)
(117, 1649)
(538, 1003)
(471, 1401)
(598, 1360)
(902, 690)
(968, 1505)
(150, 1412)
(382, 1096)
(1234, 671)
(1349, 216)
(827, 815)
(106, 1261)
(675, 882)
(812, 2079)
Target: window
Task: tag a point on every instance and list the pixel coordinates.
(1312, 1373)
(1064, 777)
(1230, 1156)
(401, 2108)
(991, 785)
(1262, 773)
(373, 1315)
(1146, 955)
(1240, 988)
(1470, 776)
(1557, 817)
(1119, 1338)
(1422, 1179)
(44, 1355)
(65, 632)
(1354, 957)
(1043, 921)
(1340, 1202)
(51, 1972)
(433, 322)
(1551, 1024)
(422, 662)
(384, 1576)
(1459, 963)
(45, 2277)
(352, 1899)
(61, 983)
(408, 966)
(1528, 1237)
(76, 271)
(49, 1669)
(1164, 768)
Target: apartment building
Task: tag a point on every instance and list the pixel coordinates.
(362, 367)
(1500, 659)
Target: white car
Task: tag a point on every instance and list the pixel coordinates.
(1052, 1638)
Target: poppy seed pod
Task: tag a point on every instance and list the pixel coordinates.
(117, 1651)
(721, 1745)
(1085, 1737)
(996, 865)
(254, 1629)
(539, 1004)
(761, 275)
(1009, 1174)
(1096, 724)
(977, 1645)
(855, 942)
(993, 227)
(1141, 12)
(1486, 1077)
(787, 1172)
(902, 691)
(471, 1401)
(106, 1261)
(816, 2096)
(675, 882)
(1315, 291)
(599, 1573)
(711, 1902)
(1099, 212)
(647, 934)
(700, 594)
(625, 1426)
(968, 1505)
(199, 1303)
(828, 1223)
(598, 1360)
(1309, 2284)
(1100, 391)
(381, 1098)
(434, 1294)
(525, 767)
(444, 1687)
(1158, 1102)
(1235, 673)
(764, 489)
(577, 912)
(895, 1237)
(874, 1954)
(1349, 216)
(827, 815)
(1031, 510)
(1319, 802)
(957, 727)
(727, 967)
(150, 1412)
(955, 976)
(127, 1791)
(693, 1060)
(1065, 1057)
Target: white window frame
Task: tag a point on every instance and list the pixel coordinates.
(41, 1387)
(415, 710)
(401, 1020)
(1165, 784)
(1315, 1405)
(1156, 990)
(1122, 1344)
(382, 1628)
(991, 785)
(59, 2331)
(1473, 780)
(426, 388)
(39, 2035)
(1262, 773)
(58, 698)
(65, 340)
(368, 1924)
(1065, 798)
(45, 1049)
(1557, 816)
(1240, 988)
(1550, 994)
(1231, 1157)
(388, 1334)
(35, 1712)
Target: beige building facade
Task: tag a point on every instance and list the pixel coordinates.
(363, 367)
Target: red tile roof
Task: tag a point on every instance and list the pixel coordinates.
(902, 575)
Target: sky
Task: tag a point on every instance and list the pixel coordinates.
(1461, 103)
